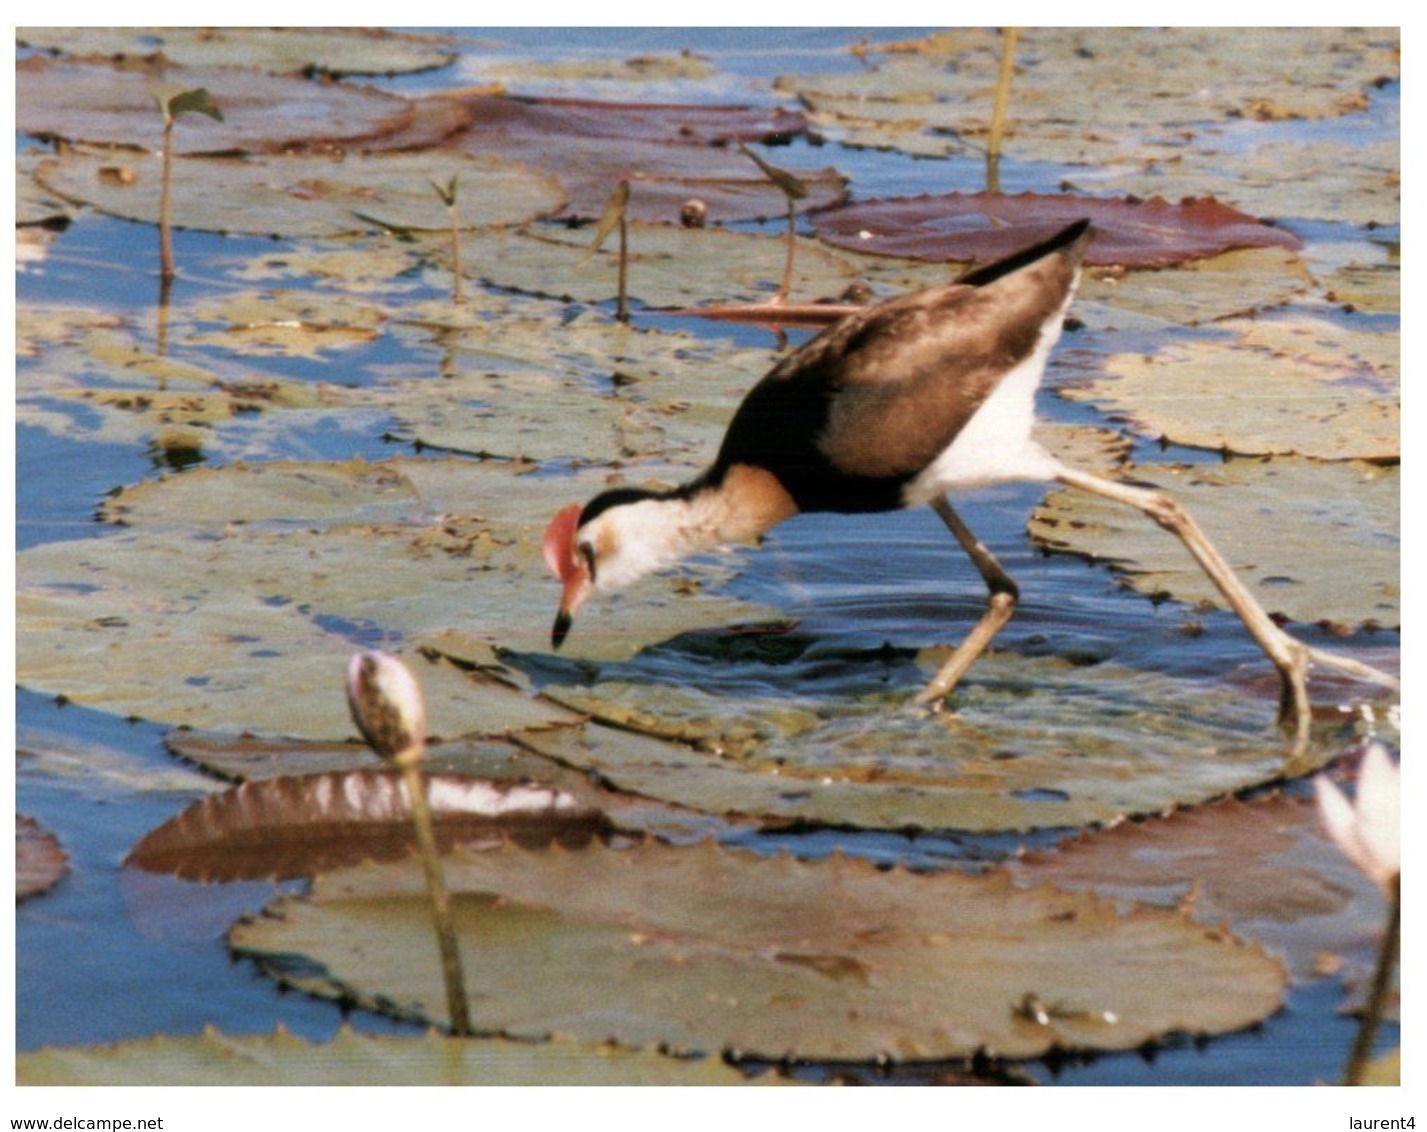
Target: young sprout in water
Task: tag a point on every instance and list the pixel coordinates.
(388, 709)
(172, 101)
(1368, 830)
(447, 193)
(615, 214)
(793, 190)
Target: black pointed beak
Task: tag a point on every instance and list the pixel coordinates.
(561, 629)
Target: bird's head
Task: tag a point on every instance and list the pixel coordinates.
(614, 539)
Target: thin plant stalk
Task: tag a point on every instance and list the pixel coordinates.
(998, 111)
(167, 271)
(174, 102)
(1377, 994)
(621, 310)
(458, 284)
(786, 286)
(452, 973)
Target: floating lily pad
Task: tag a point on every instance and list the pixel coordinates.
(358, 1059)
(294, 196)
(1313, 542)
(262, 113)
(300, 825)
(667, 267)
(668, 154)
(981, 227)
(1161, 78)
(1236, 283)
(333, 51)
(1300, 386)
(253, 758)
(702, 949)
(234, 588)
(40, 862)
(1033, 743)
(1264, 867)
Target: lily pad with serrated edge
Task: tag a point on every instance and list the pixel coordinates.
(1030, 743)
(980, 227)
(667, 266)
(229, 600)
(99, 104)
(1263, 866)
(350, 1058)
(300, 825)
(333, 51)
(250, 758)
(1302, 386)
(1312, 541)
(701, 949)
(311, 196)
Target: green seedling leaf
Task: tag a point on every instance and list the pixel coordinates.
(700, 949)
(196, 101)
(788, 184)
(610, 216)
(447, 192)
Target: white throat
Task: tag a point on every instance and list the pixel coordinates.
(640, 538)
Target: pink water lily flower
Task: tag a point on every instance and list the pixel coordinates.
(1368, 828)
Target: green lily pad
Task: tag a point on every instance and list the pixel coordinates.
(610, 393)
(1264, 867)
(1299, 386)
(108, 106)
(668, 266)
(701, 949)
(40, 862)
(1233, 284)
(295, 196)
(1313, 541)
(333, 51)
(350, 1058)
(230, 600)
(1033, 743)
(1127, 125)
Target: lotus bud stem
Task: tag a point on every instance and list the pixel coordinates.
(389, 711)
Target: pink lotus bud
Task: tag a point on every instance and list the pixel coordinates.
(386, 704)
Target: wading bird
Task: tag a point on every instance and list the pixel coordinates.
(892, 407)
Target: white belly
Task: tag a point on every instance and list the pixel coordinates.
(996, 445)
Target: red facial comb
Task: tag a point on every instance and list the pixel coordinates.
(560, 542)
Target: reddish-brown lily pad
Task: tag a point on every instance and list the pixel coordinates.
(978, 227)
(298, 826)
(40, 863)
(668, 153)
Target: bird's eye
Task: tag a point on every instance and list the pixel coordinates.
(587, 552)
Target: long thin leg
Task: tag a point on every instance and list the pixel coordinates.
(999, 606)
(1291, 657)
